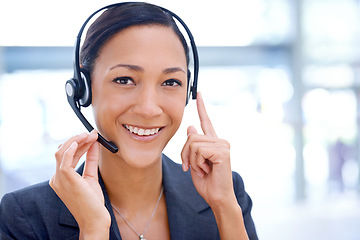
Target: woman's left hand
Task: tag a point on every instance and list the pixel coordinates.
(208, 159)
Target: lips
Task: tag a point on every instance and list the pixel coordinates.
(142, 131)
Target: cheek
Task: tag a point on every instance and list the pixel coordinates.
(175, 108)
(106, 106)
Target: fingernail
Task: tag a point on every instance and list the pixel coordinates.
(73, 145)
(184, 167)
(95, 133)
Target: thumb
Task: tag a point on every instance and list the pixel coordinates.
(190, 130)
(92, 161)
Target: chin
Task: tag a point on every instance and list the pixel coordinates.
(141, 158)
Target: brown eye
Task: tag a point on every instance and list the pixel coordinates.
(172, 83)
(124, 80)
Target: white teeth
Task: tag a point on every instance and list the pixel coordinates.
(141, 131)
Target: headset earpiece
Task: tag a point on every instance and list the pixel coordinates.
(80, 90)
(72, 88)
(85, 98)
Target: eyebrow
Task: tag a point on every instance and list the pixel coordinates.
(141, 69)
(173, 70)
(129, 66)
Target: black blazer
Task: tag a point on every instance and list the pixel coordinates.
(36, 212)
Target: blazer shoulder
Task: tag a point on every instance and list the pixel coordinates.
(31, 196)
(24, 211)
(245, 203)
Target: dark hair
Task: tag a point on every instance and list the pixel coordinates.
(118, 18)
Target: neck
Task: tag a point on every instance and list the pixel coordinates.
(130, 188)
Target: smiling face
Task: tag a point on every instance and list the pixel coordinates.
(139, 91)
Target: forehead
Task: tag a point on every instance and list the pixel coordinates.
(155, 41)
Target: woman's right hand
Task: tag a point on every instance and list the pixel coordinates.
(82, 195)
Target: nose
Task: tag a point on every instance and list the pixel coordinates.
(147, 104)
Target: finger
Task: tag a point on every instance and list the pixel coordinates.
(84, 147)
(186, 150)
(83, 141)
(203, 154)
(191, 130)
(78, 138)
(69, 155)
(92, 161)
(63, 147)
(205, 122)
(63, 167)
(199, 157)
(196, 169)
(199, 140)
(196, 160)
(201, 174)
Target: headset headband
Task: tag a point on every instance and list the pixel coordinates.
(192, 88)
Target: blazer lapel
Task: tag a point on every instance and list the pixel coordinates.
(66, 218)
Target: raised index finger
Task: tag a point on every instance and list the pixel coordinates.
(205, 122)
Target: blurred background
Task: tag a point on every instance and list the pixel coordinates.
(280, 79)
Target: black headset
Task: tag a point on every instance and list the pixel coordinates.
(78, 88)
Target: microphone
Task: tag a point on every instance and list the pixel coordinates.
(70, 88)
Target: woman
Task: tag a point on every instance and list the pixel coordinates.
(139, 72)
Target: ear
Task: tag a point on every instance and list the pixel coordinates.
(86, 97)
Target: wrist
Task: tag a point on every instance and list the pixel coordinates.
(226, 208)
(94, 236)
(95, 233)
(230, 220)
(96, 230)
(225, 204)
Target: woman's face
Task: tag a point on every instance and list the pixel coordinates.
(139, 92)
